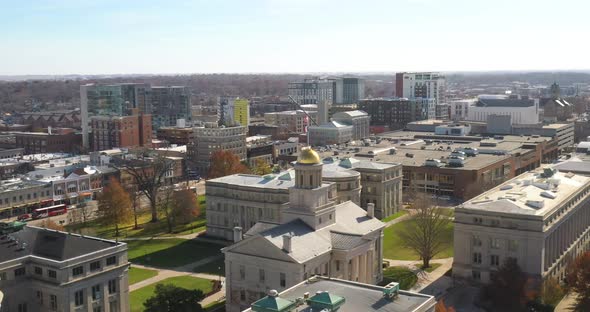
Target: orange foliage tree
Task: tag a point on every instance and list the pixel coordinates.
(578, 281)
(114, 205)
(441, 307)
(225, 163)
(50, 224)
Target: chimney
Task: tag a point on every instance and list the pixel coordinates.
(371, 210)
(287, 243)
(237, 234)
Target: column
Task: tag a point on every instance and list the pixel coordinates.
(355, 268)
(363, 268)
(370, 267)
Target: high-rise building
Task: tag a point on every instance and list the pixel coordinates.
(111, 100)
(421, 85)
(314, 91)
(242, 112)
(110, 132)
(315, 237)
(211, 138)
(540, 218)
(47, 270)
(170, 104)
(348, 90)
(395, 113)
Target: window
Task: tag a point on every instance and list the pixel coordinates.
(78, 271)
(38, 270)
(112, 260)
(494, 260)
(94, 265)
(242, 295)
(512, 245)
(112, 286)
(20, 272)
(242, 272)
(476, 275)
(40, 297)
(3, 276)
(477, 220)
(495, 222)
(96, 292)
(477, 257)
(52, 273)
(79, 298)
(337, 265)
(261, 275)
(476, 241)
(53, 302)
(495, 243)
(22, 307)
(283, 280)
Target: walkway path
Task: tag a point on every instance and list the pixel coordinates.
(424, 278)
(566, 304)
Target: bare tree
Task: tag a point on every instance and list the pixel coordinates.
(425, 234)
(148, 170)
(134, 196)
(166, 205)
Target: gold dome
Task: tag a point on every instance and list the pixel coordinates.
(308, 156)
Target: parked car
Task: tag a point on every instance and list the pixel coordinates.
(24, 217)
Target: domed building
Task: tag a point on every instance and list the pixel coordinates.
(315, 236)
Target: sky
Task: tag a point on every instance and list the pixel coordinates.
(59, 37)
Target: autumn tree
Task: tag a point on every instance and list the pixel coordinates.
(507, 287)
(114, 205)
(261, 167)
(170, 298)
(424, 233)
(578, 281)
(148, 170)
(224, 163)
(441, 307)
(185, 206)
(166, 205)
(50, 224)
(551, 292)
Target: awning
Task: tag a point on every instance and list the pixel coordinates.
(86, 194)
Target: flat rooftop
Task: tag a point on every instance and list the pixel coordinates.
(532, 193)
(359, 297)
(49, 244)
(413, 148)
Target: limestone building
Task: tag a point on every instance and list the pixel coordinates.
(315, 237)
(47, 270)
(211, 138)
(541, 218)
(242, 200)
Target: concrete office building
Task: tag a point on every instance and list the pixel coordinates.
(294, 121)
(540, 218)
(18, 196)
(319, 292)
(242, 200)
(211, 138)
(421, 85)
(47, 270)
(329, 133)
(359, 120)
(169, 104)
(314, 91)
(110, 132)
(315, 237)
(522, 111)
(460, 109)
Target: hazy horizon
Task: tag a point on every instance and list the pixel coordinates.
(108, 37)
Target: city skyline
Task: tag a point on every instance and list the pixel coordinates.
(277, 36)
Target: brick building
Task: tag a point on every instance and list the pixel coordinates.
(121, 131)
(60, 140)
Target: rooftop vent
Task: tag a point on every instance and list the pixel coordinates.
(548, 194)
(391, 290)
(506, 187)
(538, 204)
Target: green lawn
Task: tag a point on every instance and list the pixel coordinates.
(138, 297)
(137, 275)
(395, 216)
(433, 266)
(393, 245)
(170, 253)
(402, 275)
(216, 267)
(146, 228)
